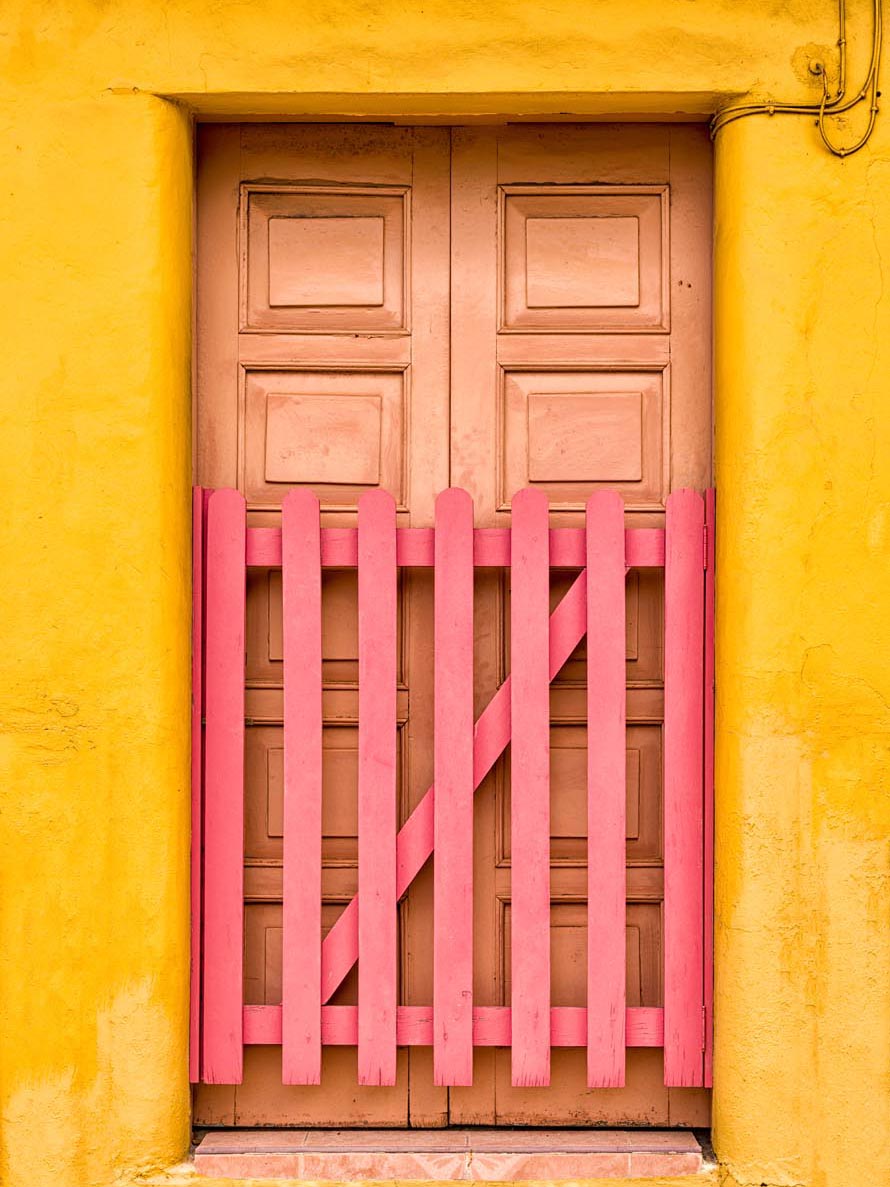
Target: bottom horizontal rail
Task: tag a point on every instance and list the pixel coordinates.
(491, 1026)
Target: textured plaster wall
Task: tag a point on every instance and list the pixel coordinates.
(95, 209)
(803, 835)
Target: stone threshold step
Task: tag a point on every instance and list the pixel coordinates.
(480, 1155)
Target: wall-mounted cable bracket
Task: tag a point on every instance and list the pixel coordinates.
(830, 104)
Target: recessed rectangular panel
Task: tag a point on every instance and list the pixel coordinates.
(643, 614)
(339, 430)
(571, 432)
(275, 791)
(632, 776)
(644, 980)
(571, 437)
(568, 767)
(323, 438)
(264, 809)
(568, 796)
(578, 262)
(584, 259)
(323, 259)
(326, 261)
(339, 622)
(340, 767)
(568, 946)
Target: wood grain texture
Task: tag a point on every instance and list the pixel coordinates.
(224, 789)
(683, 790)
(530, 789)
(301, 900)
(606, 791)
(197, 800)
(453, 801)
(377, 821)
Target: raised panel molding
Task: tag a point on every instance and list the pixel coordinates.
(339, 430)
(584, 259)
(568, 807)
(324, 259)
(570, 431)
(568, 943)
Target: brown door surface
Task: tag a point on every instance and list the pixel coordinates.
(491, 308)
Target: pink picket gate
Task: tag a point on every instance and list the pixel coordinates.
(464, 750)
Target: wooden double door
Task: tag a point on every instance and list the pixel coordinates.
(492, 308)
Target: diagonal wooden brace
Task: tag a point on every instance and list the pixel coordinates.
(568, 624)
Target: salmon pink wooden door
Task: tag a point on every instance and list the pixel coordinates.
(521, 313)
(580, 364)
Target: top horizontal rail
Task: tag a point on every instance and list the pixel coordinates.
(643, 548)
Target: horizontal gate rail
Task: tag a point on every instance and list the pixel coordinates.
(415, 548)
(221, 1025)
(492, 1026)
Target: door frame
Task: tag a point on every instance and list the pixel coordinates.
(453, 122)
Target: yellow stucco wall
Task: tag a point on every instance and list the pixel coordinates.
(96, 103)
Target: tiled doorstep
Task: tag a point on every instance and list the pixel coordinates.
(486, 1155)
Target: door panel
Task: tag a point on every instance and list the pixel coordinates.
(492, 308)
(580, 360)
(323, 312)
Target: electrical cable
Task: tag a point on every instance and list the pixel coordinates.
(829, 105)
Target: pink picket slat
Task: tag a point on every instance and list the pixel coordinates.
(224, 788)
(683, 790)
(644, 547)
(492, 734)
(377, 821)
(453, 803)
(530, 789)
(606, 791)
(710, 525)
(492, 1026)
(301, 906)
(197, 834)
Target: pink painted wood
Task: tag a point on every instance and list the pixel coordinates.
(683, 790)
(377, 821)
(530, 789)
(644, 547)
(301, 907)
(688, 815)
(416, 837)
(710, 524)
(197, 837)
(453, 802)
(606, 791)
(224, 789)
(492, 1026)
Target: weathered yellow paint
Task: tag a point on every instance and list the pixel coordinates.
(96, 102)
(803, 837)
